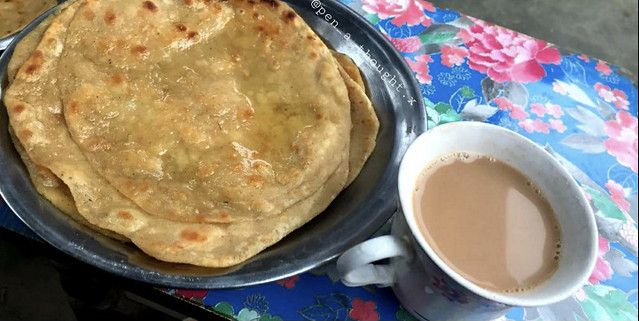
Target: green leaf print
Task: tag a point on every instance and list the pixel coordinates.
(373, 18)
(224, 308)
(435, 38)
(247, 315)
(446, 113)
(268, 317)
(467, 92)
(607, 207)
(440, 113)
(606, 303)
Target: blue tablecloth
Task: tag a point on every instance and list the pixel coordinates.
(581, 109)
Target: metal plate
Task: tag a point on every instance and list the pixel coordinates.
(353, 216)
(4, 42)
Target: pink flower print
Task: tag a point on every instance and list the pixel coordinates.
(620, 99)
(503, 103)
(410, 12)
(629, 233)
(580, 295)
(557, 125)
(603, 67)
(385, 8)
(602, 270)
(622, 141)
(540, 126)
(604, 92)
(505, 55)
(449, 293)
(527, 125)
(616, 192)
(554, 110)
(465, 35)
(453, 55)
(550, 109)
(439, 283)
(410, 44)
(538, 110)
(617, 97)
(584, 58)
(363, 311)
(586, 194)
(558, 88)
(517, 112)
(536, 125)
(289, 282)
(420, 66)
(192, 294)
(414, 14)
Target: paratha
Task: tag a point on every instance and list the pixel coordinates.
(364, 121)
(35, 112)
(204, 112)
(44, 181)
(55, 191)
(351, 68)
(28, 43)
(15, 14)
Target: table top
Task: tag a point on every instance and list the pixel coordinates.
(581, 109)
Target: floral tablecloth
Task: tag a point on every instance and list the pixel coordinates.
(580, 108)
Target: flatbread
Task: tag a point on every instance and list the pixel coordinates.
(16, 14)
(34, 108)
(47, 184)
(208, 112)
(55, 191)
(350, 67)
(35, 112)
(44, 181)
(365, 122)
(27, 45)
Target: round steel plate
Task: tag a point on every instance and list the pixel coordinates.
(353, 216)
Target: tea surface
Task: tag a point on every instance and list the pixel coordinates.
(488, 222)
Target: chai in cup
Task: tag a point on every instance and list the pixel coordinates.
(488, 222)
(422, 269)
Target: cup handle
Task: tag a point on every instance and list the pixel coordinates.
(356, 268)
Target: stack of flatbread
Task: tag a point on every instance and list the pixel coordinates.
(201, 131)
(16, 14)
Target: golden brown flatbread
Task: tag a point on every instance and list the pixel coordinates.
(55, 191)
(195, 114)
(16, 14)
(365, 122)
(351, 68)
(44, 181)
(29, 42)
(36, 112)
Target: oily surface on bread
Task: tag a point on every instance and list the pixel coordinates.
(25, 47)
(251, 120)
(40, 106)
(55, 191)
(16, 14)
(44, 181)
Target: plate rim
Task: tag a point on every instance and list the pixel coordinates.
(402, 135)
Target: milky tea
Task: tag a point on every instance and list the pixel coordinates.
(487, 222)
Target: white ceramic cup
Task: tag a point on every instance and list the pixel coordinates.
(424, 284)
